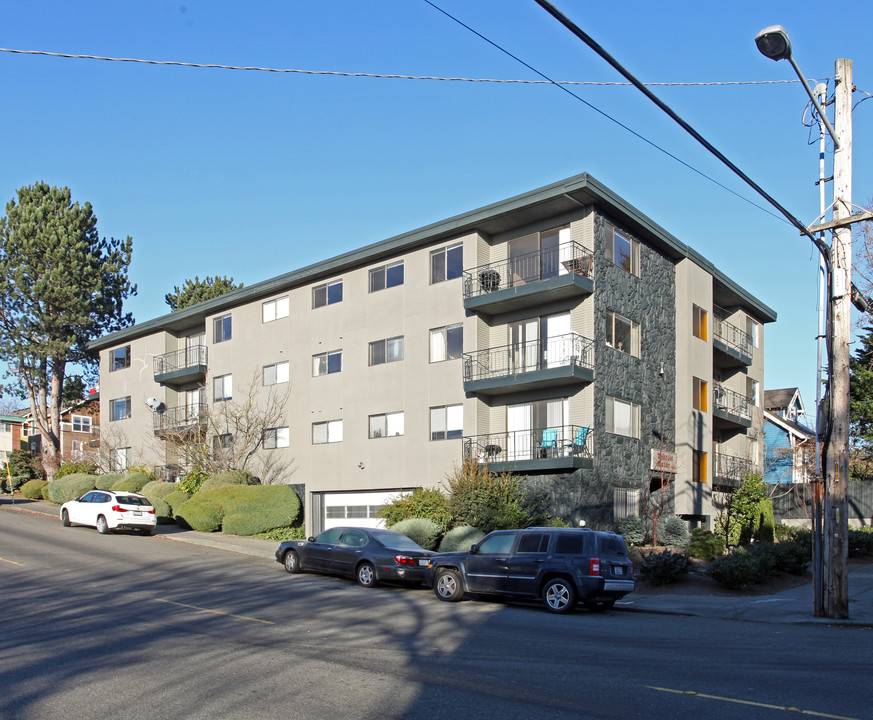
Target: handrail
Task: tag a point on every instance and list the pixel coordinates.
(732, 402)
(534, 444)
(570, 349)
(192, 356)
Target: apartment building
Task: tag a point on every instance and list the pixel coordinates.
(560, 334)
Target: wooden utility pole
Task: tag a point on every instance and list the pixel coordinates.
(835, 521)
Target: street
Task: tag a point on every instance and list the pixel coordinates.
(139, 627)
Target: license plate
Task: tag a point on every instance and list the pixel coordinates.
(618, 570)
(137, 512)
(423, 561)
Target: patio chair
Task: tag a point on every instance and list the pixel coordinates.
(577, 447)
(549, 442)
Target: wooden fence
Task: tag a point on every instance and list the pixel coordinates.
(792, 502)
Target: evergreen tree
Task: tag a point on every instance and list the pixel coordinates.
(861, 404)
(61, 287)
(197, 290)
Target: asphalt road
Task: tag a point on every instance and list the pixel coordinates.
(123, 626)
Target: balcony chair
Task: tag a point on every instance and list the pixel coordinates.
(549, 443)
(577, 447)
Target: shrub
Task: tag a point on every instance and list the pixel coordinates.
(32, 489)
(461, 537)
(157, 493)
(860, 541)
(142, 469)
(192, 481)
(134, 482)
(21, 462)
(428, 503)
(283, 534)
(201, 515)
(76, 466)
(70, 487)
(107, 480)
(673, 531)
(633, 531)
(765, 528)
(704, 545)
(234, 477)
(11, 483)
(662, 568)
(176, 497)
(793, 556)
(737, 571)
(781, 531)
(423, 531)
(255, 509)
(45, 492)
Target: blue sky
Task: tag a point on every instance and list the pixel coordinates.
(253, 174)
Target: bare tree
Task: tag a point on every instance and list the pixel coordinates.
(658, 498)
(862, 264)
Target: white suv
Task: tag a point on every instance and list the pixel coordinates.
(110, 510)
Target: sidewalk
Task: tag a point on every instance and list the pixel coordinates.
(792, 606)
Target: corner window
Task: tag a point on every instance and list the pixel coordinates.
(276, 438)
(276, 373)
(327, 294)
(446, 422)
(386, 351)
(622, 334)
(446, 343)
(119, 358)
(622, 417)
(700, 322)
(446, 263)
(275, 309)
(81, 423)
(386, 276)
(327, 432)
(622, 250)
(222, 388)
(700, 395)
(119, 409)
(221, 329)
(386, 425)
(327, 363)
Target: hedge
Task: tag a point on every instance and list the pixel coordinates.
(70, 487)
(157, 493)
(176, 498)
(233, 477)
(201, 515)
(241, 509)
(32, 489)
(134, 482)
(107, 480)
(460, 538)
(423, 531)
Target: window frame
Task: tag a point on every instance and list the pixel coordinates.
(609, 422)
(330, 428)
(443, 255)
(385, 345)
(328, 356)
(226, 382)
(388, 279)
(700, 394)
(276, 438)
(443, 431)
(222, 328)
(83, 421)
(386, 417)
(122, 403)
(699, 322)
(446, 332)
(634, 332)
(116, 363)
(332, 294)
(274, 367)
(633, 250)
(277, 308)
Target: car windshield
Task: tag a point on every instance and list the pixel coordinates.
(395, 541)
(131, 500)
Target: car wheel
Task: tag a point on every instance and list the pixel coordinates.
(599, 605)
(102, 525)
(448, 586)
(559, 596)
(146, 531)
(366, 575)
(65, 518)
(291, 562)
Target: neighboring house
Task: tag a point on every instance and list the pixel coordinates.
(790, 446)
(80, 429)
(560, 334)
(10, 438)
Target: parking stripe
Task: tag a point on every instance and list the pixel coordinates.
(215, 612)
(750, 702)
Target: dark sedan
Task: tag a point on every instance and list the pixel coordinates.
(368, 555)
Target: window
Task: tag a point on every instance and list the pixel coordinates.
(6, 427)
(387, 425)
(752, 330)
(222, 443)
(497, 543)
(752, 391)
(327, 432)
(276, 438)
(533, 543)
(446, 263)
(327, 294)
(700, 399)
(622, 334)
(699, 322)
(119, 358)
(622, 250)
(447, 343)
(622, 417)
(222, 388)
(276, 373)
(81, 423)
(698, 466)
(221, 329)
(119, 409)
(275, 309)
(78, 450)
(386, 351)
(118, 459)
(625, 501)
(327, 363)
(357, 512)
(386, 276)
(446, 422)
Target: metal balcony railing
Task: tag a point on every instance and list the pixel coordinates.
(731, 402)
(560, 351)
(730, 467)
(180, 419)
(541, 265)
(193, 356)
(732, 336)
(518, 445)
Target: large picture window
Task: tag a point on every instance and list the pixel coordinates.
(447, 263)
(447, 343)
(446, 422)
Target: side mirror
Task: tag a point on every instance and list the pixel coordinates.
(311, 539)
(474, 548)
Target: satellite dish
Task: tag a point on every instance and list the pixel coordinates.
(155, 404)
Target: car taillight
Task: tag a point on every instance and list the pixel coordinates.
(404, 560)
(118, 508)
(594, 566)
(151, 512)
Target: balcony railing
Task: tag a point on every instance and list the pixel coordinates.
(731, 403)
(520, 270)
(180, 419)
(730, 467)
(560, 351)
(178, 361)
(732, 336)
(170, 473)
(566, 441)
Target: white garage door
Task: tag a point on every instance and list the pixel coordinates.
(355, 509)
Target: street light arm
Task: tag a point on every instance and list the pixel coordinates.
(815, 102)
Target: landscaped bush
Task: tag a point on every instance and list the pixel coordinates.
(429, 503)
(32, 489)
(460, 538)
(738, 570)
(661, 568)
(200, 515)
(134, 482)
(45, 492)
(423, 531)
(860, 541)
(107, 480)
(781, 531)
(76, 466)
(633, 531)
(673, 531)
(157, 493)
(283, 534)
(176, 497)
(70, 487)
(14, 482)
(793, 556)
(257, 509)
(192, 481)
(233, 477)
(704, 545)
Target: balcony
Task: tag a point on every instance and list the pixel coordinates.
(561, 360)
(557, 449)
(181, 366)
(729, 469)
(180, 421)
(532, 279)
(733, 345)
(731, 408)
